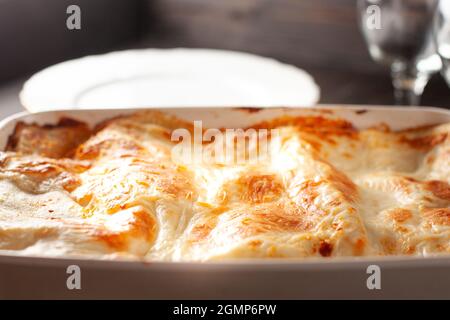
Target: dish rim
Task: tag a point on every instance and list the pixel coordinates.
(14, 257)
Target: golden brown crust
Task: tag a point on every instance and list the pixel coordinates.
(440, 189)
(438, 216)
(56, 141)
(400, 215)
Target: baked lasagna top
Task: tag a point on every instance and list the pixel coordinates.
(323, 189)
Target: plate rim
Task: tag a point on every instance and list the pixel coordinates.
(26, 94)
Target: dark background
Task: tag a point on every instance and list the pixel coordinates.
(320, 36)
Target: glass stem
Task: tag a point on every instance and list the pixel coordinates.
(409, 84)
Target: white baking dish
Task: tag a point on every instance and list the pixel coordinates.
(401, 277)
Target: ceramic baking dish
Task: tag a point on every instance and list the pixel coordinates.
(400, 277)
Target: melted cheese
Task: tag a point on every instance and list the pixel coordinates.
(325, 189)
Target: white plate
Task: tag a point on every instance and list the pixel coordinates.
(168, 78)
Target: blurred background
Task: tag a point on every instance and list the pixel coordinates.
(320, 36)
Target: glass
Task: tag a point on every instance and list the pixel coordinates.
(398, 34)
(442, 36)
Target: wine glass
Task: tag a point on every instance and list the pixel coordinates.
(399, 35)
(442, 37)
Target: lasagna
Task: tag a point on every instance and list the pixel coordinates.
(323, 189)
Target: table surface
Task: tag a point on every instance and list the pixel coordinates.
(374, 89)
(9, 98)
(320, 36)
